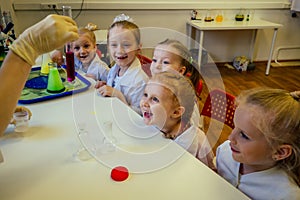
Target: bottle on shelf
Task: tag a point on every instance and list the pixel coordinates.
(219, 16)
(208, 17)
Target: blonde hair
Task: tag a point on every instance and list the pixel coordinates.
(89, 33)
(127, 25)
(186, 60)
(181, 88)
(279, 122)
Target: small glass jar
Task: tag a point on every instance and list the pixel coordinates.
(240, 16)
(219, 16)
(67, 11)
(208, 17)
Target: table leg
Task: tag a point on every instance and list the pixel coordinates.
(251, 52)
(197, 35)
(1, 157)
(189, 34)
(271, 51)
(200, 48)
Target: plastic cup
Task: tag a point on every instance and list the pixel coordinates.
(21, 121)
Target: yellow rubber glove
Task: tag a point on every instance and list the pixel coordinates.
(49, 34)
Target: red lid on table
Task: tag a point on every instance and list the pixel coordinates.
(119, 173)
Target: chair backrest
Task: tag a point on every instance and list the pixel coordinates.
(220, 106)
(145, 62)
(199, 88)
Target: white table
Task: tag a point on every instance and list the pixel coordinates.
(39, 164)
(254, 25)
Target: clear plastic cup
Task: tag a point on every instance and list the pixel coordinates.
(21, 121)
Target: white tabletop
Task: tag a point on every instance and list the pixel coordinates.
(232, 24)
(39, 164)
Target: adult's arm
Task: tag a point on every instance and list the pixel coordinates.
(13, 75)
(49, 34)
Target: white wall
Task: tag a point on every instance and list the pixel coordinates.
(219, 44)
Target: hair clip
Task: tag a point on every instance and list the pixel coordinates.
(295, 95)
(122, 17)
(91, 27)
(191, 60)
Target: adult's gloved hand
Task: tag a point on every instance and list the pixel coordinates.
(49, 34)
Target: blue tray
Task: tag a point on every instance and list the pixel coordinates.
(35, 89)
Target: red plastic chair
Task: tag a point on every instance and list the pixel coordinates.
(99, 53)
(145, 62)
(220, 106)
(199, 88)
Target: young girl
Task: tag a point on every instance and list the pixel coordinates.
(262, 156)
(126, 79)
(87, 59)
(172, 55)
(168, 103)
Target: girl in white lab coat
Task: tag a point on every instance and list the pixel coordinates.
(126, 79)
(172, 55)
(167, 104)
(262, 156)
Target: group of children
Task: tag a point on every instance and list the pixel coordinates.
(262, 155)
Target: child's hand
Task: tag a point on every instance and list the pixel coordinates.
(20, 109)
(57, 57)
(106, 91)
(100, 84)
(91, 76)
